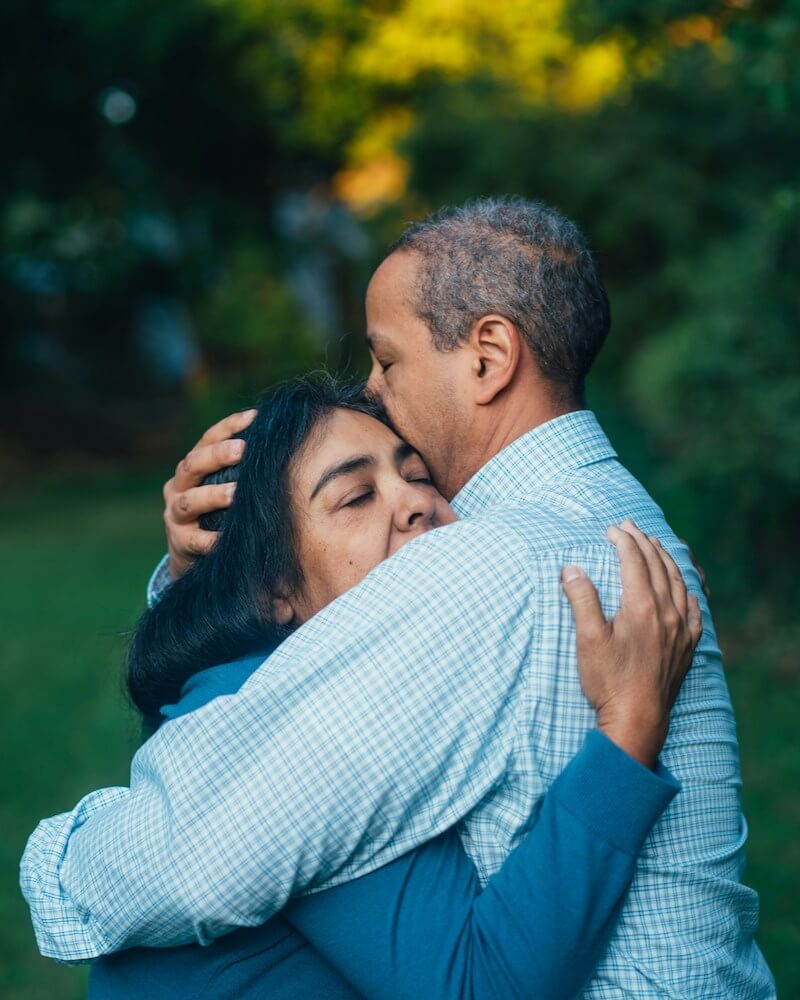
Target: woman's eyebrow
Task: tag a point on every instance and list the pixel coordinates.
(403, 451)
(342, 469)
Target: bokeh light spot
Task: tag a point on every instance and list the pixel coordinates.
(117, 106)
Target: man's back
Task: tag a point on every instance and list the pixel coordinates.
(688, 925)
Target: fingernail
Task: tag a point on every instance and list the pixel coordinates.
(570, 573)
(612, 532)
(236, 448)
(627, 523)
(231, 489)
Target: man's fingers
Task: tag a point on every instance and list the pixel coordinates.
(633, 569)
(226, 428)
(590, 621)
(658, 573)
(205, 459)
(189, 506)
(695, 619)
(199, 542)
(677, 586)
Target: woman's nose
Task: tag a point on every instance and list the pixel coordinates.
(416, 508)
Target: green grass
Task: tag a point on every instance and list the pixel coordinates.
(75, 556)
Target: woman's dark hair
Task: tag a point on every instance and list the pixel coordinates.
(221, 608)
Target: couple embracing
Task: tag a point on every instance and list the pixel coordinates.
(436, 702)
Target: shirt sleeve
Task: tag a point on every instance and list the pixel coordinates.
(160, 579)
(378, 725)
(39, 875)
(543, 921)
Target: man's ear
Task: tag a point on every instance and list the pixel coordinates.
(496, 344)
(282, 610)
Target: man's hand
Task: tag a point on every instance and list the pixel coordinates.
(186, 499)
(633, 666)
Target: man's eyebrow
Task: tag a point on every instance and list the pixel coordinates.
(342, 469)
(375, 341)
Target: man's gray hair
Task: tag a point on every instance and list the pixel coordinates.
(522, 260)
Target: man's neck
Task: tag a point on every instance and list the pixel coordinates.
(499, 427)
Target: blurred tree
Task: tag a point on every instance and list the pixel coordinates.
(174, 205)
(143, 157)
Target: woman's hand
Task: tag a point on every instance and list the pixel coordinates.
(186, 499)
(632, 667)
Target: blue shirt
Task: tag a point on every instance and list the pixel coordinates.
(420, 925)
(442, 688)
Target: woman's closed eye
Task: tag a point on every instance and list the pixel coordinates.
(359, 499)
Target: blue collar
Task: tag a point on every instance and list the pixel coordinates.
(205, 685)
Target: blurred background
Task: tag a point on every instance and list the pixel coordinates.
(192, 197)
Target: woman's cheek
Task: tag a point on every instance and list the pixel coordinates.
(364, 556)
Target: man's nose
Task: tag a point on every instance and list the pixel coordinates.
(373, 382)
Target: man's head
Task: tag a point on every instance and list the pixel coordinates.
(483, 321)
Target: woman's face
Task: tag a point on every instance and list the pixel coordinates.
(359, 493)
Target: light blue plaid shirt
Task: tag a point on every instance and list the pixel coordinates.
(443, 688)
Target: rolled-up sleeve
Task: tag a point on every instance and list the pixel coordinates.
(59, 923)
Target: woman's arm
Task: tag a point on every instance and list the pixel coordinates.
(421, 926)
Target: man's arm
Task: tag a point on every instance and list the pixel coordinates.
(378, 725)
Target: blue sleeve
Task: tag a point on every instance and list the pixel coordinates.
(421, 926)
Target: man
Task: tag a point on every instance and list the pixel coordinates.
(425, 696)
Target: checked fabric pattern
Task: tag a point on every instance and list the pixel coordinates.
(443, 689)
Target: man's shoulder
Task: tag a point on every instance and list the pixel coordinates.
(510, 538)
(547, 521)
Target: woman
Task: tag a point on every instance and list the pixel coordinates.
(325, 492)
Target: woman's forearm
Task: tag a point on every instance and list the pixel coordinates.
(422, 926)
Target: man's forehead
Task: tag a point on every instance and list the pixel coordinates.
(393, 280)
(390, 300)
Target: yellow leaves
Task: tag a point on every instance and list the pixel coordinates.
(376, 174)
(513, 41)
(381, 181)
(520, 43)
(336, 65)
(419, 38)
(594, 73)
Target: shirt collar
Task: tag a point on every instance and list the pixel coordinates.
(568, 442)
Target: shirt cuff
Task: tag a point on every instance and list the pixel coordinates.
(63, 929)
(614, 794)
(158, 582)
